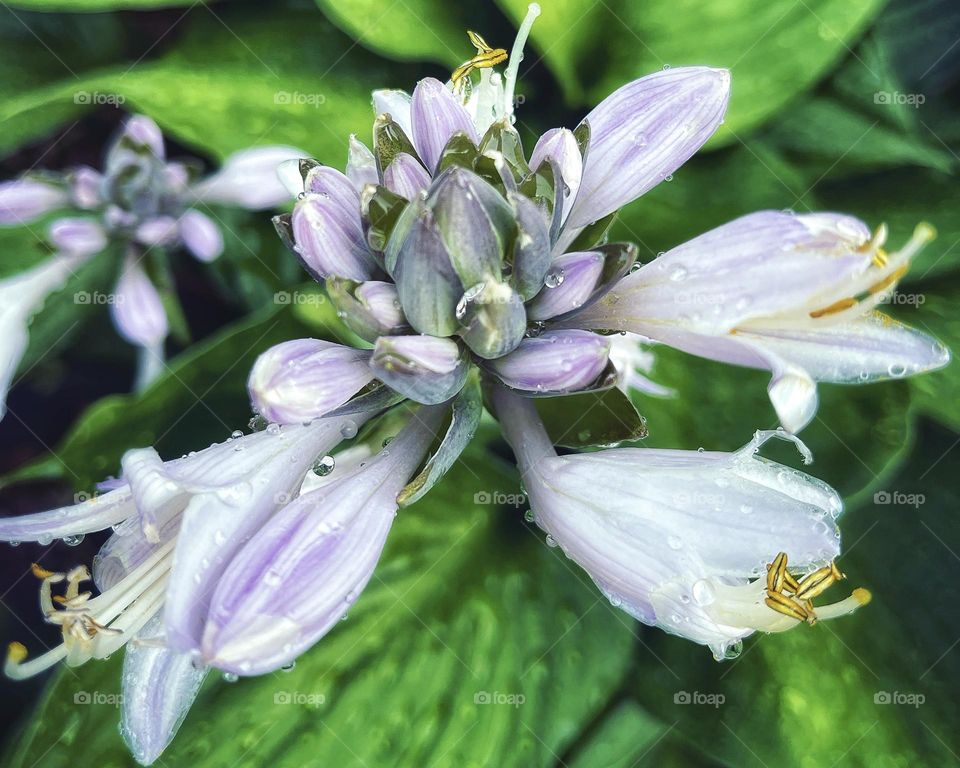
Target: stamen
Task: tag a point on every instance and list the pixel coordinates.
(95, 627)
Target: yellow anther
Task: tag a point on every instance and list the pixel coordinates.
(837, 306)
(486, 57)
(788, 606)
(42, 573)
(889, 280)
(16, 653)
(817, 582)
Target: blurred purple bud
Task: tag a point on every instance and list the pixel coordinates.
(201, 235)
(24, 200)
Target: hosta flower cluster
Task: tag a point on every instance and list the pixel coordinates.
(477, 274)
(136, 209)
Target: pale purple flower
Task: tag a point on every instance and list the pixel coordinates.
(229, 515)
(298, 381)
(795, 294)
(20, 297)
(681, 539)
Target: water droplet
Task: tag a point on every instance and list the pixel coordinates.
(273, 429)
(678, 274)
(324, 466)
(554, 278)
(14, 543)
(746, 509)
(257, 423)
(897, 370)
(73, 541)
(236, 434)
(529, 516)
(703, 592)
(674, 542)
(348, 430)
(733, 650)
(551, 542)
(230, 677)
(288, 667)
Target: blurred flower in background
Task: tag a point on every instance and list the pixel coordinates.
(140, 206)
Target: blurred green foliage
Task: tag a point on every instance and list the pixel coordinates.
(841, 104)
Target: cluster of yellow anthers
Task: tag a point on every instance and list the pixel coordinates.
(889, 273)
(70, 610)
(794, 597)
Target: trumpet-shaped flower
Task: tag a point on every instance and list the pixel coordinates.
(682, 540)
(795, 294)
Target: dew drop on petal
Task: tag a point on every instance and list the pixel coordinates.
(324, 466)
(236, 434)
(348, 430)
(554, 278)
(529, 516)
(551, 542)
(703, 592)
(288, 667)
(73, 541)
(230, 677)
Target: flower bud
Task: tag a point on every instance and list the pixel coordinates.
(361, 165)
(137, 309)
(569, 283)
(85, 185)
(329, 239)
(78, 237)
(475, 223)
(492, 319)
(370, 309)
(428, 287)
(24, 200)
(555, 361)
(301, 380)
(532, 248)
(405, 176)
(426, 369)
(201, 235)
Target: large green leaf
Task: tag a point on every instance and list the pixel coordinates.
(94, 5)
(857, 437)
(747, 36)
(412, 29)
(844, 692)
(473, 645)
(935, 311)
(904, 198)
(202, 392)
(232, 82)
